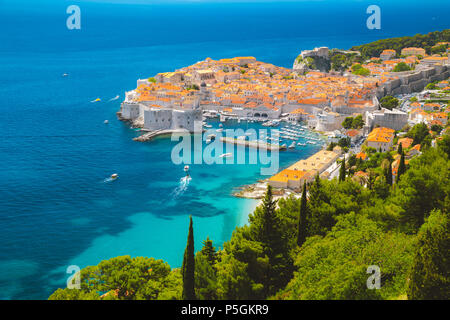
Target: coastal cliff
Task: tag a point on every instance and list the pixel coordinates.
(317, 59)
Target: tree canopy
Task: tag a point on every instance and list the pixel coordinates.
(389, 102)
(431, 269)
(324, 263)
(126, 278)
(426, 41)
(400, 67)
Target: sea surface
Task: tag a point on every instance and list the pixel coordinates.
(56, 208)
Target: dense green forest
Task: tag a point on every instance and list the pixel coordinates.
(317, 246)
(425, 41)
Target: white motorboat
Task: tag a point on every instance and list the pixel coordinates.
(226, 155)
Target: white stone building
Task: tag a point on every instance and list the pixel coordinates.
(393, 119)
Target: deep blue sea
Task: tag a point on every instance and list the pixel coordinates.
(56, 209)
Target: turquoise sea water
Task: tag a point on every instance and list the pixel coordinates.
(55, 152)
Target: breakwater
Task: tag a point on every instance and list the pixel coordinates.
(253, 144)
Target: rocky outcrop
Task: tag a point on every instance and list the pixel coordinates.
(317, 59)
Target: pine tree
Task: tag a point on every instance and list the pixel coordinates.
(401, 167)
(266, 227)
(342, 171)
(188, 267)
(269, 218)
(301, 237)
(209, 251)
(388, 174)
(316, 194)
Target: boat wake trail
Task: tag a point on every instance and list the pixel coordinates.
(110, 179)
(182, 187)
(115, 98)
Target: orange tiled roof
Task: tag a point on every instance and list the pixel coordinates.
(381, 135)
(406, 142)
(361, 156)
(286, 175)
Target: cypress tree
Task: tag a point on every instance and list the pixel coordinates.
(389, 174)
(400, 148)
(188, 267)
(317, 181)
(342, 171)
(301, 237)
(401, 167)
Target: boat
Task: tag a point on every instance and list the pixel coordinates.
(186, 168)
(114, 176)
(226, 155)
(219, 130)
(207, 126)
(65, 75)
(220, 125)
(97, 100)
(292, 145)
(106, 122)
